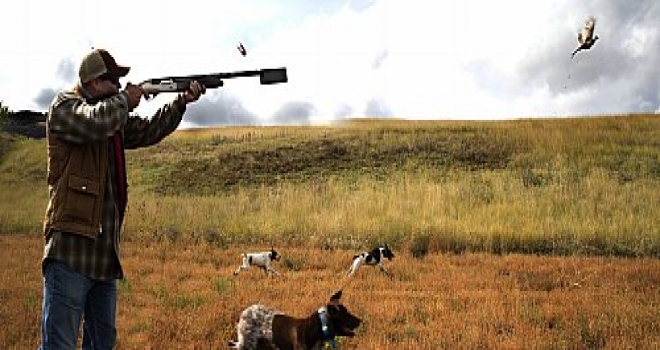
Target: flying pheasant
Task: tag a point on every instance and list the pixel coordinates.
(586, 37)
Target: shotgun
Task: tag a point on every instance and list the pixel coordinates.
(268, 76)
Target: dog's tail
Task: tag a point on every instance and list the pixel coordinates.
(347, 279)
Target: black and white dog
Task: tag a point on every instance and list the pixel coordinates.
(375, 257)
(262, 260)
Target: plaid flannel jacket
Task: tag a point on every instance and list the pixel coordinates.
(75, 123)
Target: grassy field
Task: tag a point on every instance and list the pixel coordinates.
(513, 234)
(559, 186)
(183, 296)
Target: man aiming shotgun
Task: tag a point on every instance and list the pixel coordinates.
(87, 131)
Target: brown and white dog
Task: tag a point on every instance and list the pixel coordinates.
(262, 327)
(261, 260)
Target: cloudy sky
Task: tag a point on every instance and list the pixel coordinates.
(413, 59)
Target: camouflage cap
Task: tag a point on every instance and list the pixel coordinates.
(99, 62)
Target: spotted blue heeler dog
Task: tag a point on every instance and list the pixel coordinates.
(262, 327)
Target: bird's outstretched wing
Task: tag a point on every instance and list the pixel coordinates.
(587, 33)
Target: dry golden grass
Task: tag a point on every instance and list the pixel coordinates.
(562, 186)
(581, 193)
(559, 186)
(183, 296)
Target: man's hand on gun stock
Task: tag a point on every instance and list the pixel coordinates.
(135, 94)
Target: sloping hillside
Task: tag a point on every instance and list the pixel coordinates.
(551, 186)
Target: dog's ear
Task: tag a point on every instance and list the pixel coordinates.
(336, 298)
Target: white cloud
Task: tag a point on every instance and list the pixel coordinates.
(473, 59)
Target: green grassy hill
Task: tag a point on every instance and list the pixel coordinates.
(555, 186)
(213, 162)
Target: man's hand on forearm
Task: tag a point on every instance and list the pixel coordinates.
(195, 91)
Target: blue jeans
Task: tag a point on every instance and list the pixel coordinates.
(68, 295)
